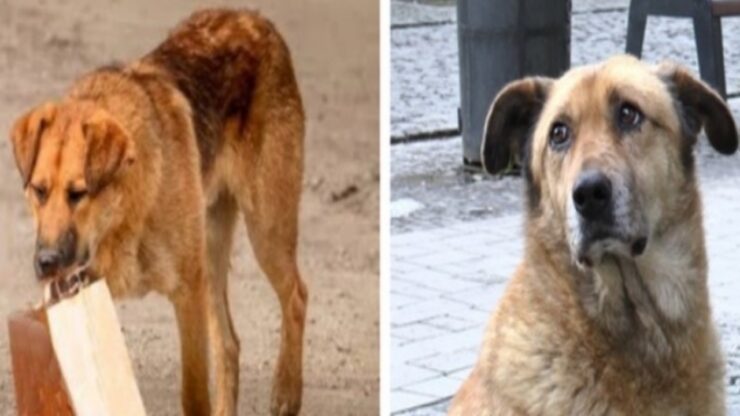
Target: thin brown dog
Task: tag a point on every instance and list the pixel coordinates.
(141, 170)
(608, 313)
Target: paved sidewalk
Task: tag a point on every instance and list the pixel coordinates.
(446, 281)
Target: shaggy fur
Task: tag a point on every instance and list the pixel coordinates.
(605, 327)
(141, 170)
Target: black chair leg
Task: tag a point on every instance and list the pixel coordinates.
(708, 34)
(636, 24)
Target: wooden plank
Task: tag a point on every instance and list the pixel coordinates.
(726, 8)
(39, 386)
(119, 383)
(92, 354)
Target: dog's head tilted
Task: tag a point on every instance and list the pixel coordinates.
(69, 156)
(607, 151)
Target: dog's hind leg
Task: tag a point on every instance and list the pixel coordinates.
(272, 221)
(220, 230)
(262, 164)
(267, 185)
(273, 239)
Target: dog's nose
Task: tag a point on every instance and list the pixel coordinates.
(47, 262)
(592, 195)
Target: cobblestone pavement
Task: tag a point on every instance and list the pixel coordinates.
(456, 235)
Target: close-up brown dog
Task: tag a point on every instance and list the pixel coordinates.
(608, 313)
(140, 171)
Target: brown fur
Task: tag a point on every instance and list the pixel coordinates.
(167, 151)
(631, 335)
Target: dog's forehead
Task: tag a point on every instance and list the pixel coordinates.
(62, 148)
(588, 92)
(595, 85)
(585, 96)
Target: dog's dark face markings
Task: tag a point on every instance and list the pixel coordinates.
(607, 149)
(67, 155)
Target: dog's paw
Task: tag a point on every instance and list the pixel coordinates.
(286, 399)
(284, 409)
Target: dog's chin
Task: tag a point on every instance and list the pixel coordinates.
(58, 274)
(590, 253)
(83, 262)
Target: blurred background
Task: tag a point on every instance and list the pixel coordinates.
(46, 44)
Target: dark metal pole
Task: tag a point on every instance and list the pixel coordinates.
(500, 41)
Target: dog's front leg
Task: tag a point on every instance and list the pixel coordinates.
(191, 306)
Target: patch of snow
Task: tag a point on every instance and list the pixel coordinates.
(407, 13)
(404, 206)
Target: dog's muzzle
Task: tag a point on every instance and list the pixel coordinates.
(592, 197)
(54, 259)
(603, 224)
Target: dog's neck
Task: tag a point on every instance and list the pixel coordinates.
(650, 304)
(655, 301)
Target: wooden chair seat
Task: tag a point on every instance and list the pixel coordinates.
(726, 8)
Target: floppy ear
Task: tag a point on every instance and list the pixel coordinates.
(509, 121)
(26, 137)
(700, 106)
(109, 149)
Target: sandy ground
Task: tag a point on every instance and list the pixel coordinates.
(45, 44)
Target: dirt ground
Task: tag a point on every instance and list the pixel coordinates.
(45, 44)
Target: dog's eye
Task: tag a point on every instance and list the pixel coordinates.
(75, 195)
(559, 135)
(629, 116)
(40, 192)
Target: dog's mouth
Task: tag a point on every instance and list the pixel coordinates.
(592, 250)
(81, 262)
(624, 236)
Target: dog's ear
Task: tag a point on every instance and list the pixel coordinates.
(510, 120)
(26, 136)
(109, 149)
(700, 106)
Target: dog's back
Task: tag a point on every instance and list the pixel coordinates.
(222, 61)
(215, 58)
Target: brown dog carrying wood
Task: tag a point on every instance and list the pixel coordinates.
(140, 172)
(608, 313)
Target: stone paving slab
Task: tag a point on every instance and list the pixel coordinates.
(446, 281)
(435, 336)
